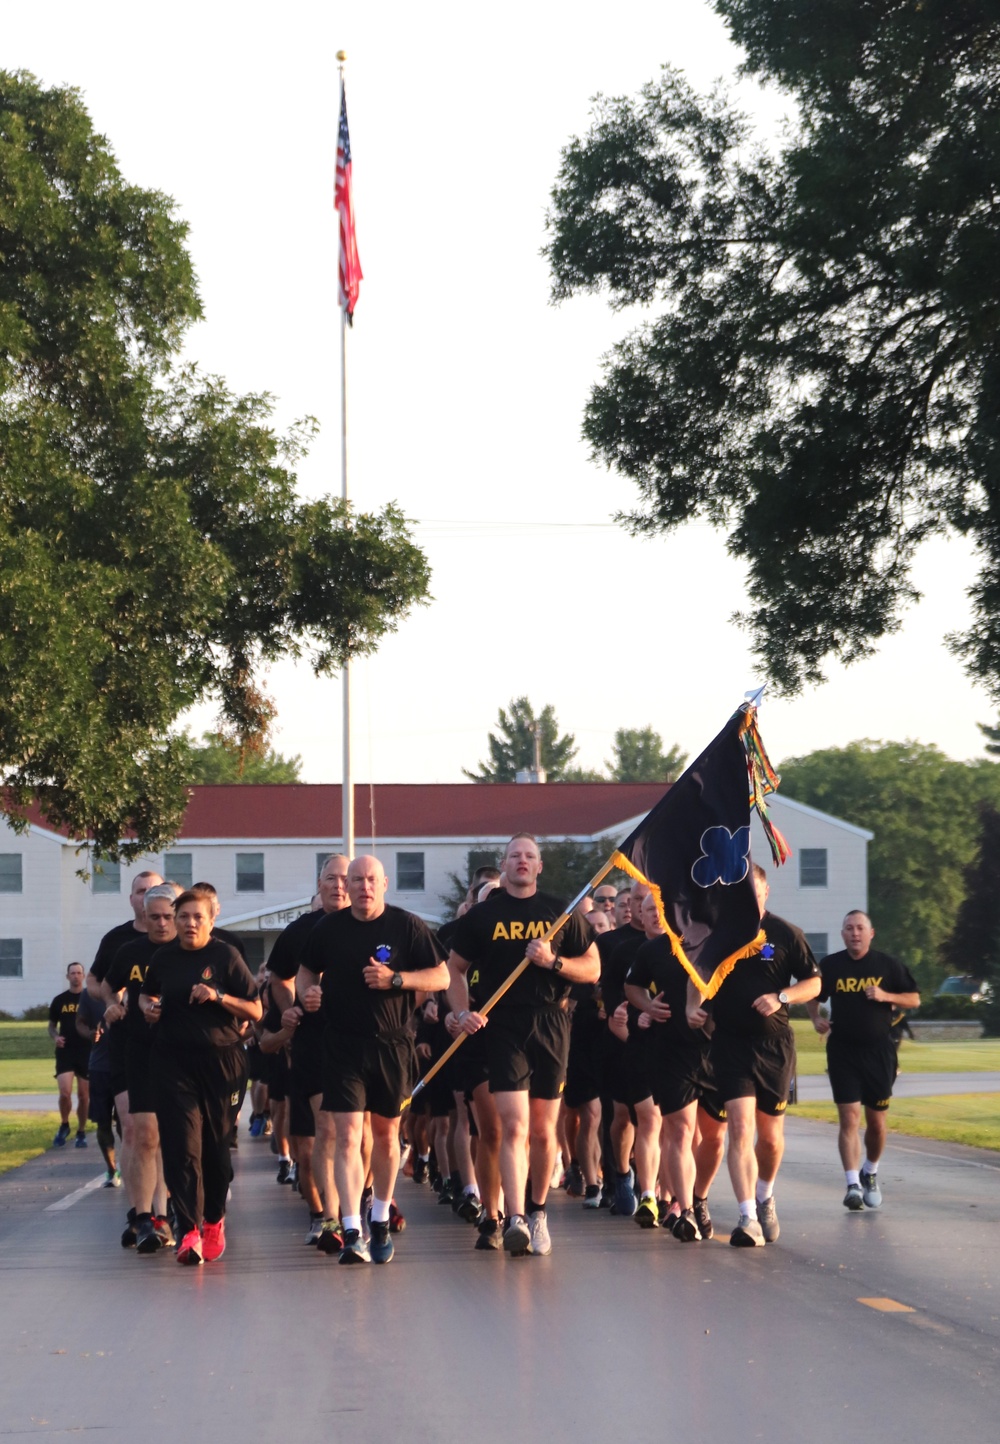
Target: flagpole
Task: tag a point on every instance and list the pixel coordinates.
(347, 786)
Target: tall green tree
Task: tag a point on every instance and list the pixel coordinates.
(221, 758)
(821, 377)
(974, 945)
(153, 549)
(512, 746)
(638, 756)
(923, 808)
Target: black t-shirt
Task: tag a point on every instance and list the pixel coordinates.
(855, 1019)
(494, 934)
(109, 945)
(62, 1016)
(617, 950)
(655, 968)
(785, 956)
(173, 972)
(341, 946)
(286, 954)
(128, 971)
(225, 936)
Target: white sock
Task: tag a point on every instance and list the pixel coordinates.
(424, 1157)
(851, 1174)
(352, 1220)
(870, 1167)
(764, 1190)
(748, 1206)
(380, 1210)
(470, 1190)
(285, 1158)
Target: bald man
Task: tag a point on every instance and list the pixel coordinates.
(365, 969)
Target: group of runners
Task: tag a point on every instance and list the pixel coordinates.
(601, 1068)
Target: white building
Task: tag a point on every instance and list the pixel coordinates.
(261, 846)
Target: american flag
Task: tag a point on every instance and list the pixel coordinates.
(343, 200)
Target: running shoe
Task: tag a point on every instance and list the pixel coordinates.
(213, 1241)
(702, 1217)
(747, 1233)
(355, 1250)
(267, 1127)
(190, 1249)
(419, 1169)
(447, 1192)
(870, 1190)
(592, 1196)
(516, 1238)
(381, 1247)
(80, 1141)
(538, 1232)
(60, 1139)
(147, 1240)
(256, 1126)
(470, 1209)
(315, 1228)
(164, 1231)
(575, 1185)
(767, 1217)
(645, 1214)
(112, 1179)
(397, 1223)
(489, 1235)
(284, 1170)
(293, 1177)
(686, 1228)
(854, 1199)
(625, 1205)
(607, 1196)
(330, 1239)
(129, 1235)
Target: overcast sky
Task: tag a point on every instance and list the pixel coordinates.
(466, 386)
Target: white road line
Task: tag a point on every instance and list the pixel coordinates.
(76, 1195)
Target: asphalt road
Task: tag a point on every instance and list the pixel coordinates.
(619, 1333)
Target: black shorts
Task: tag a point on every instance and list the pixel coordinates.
(527, 1050)
(362, 1075)
(862, 1072)
(259, 1065)
(139, 1076)
(681, 1076)
(102, 1100)
(760, 1067)
(627, 1076)
(73, 1060)
(277, 1079)
(439, 1094)
(585, 1069)
(301, 1119)
(307, 1062)
(117, 1045)
(471, 1065)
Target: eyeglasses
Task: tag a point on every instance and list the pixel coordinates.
(602, 899)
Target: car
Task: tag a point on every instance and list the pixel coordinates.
(966, 985)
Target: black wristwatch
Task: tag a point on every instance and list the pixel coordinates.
(397, 980)
(557, 965)
(218, 995)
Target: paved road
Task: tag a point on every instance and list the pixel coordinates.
(812, 1087)
(618, 1333)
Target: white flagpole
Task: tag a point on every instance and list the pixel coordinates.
(347, 786)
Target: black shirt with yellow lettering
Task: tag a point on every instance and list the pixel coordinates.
(854, 1018)
(62, 1016)
(128, 970)
(493, 935)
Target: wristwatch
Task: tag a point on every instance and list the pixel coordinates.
(218, 995)
(397, 980)
(557, 965)
(783, 999)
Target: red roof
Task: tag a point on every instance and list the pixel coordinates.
(447, 809)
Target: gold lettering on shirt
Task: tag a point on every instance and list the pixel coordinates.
(501, 932)
(857, 985)
(516, 931)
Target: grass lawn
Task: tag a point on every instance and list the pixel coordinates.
(28, 1075)
(24, 1136)
(972, 1055)
(24, 1040)
(972, 1118)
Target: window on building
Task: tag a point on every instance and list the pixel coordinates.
(812, 867)
(409, 872)
(10, 872)
(253, 948)
(178, 867)
(249, 872)
(481, 857)
(106, 875)
(11, 958)
(820, 944)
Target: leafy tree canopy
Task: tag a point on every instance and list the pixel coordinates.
(219, 757)
(923, 808)
(153, 549)
(974, 945)
(638, 756)
(822, 376)
(512, 746)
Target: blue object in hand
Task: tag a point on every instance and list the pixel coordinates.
(383, 953)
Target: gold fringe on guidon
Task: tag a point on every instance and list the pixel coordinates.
(711, 987)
